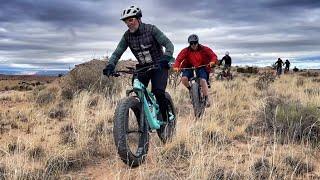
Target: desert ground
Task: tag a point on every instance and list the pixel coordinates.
(259, 126)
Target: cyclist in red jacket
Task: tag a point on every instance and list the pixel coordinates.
(200, 57)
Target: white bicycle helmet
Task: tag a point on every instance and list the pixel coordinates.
(132, 11)
(227, 53)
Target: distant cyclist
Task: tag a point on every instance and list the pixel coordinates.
(227, 62)
(287, 66)
(200, 57)
(145, 42)
(295, 69)
(279, 63)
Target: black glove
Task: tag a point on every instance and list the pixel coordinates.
(108, 70)
(164, 61)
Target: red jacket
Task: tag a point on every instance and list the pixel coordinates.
(189, 58)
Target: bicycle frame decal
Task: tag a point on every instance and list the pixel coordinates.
(151, 109)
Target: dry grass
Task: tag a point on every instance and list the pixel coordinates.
(247, 133)
(68, 141)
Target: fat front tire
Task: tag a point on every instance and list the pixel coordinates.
(127, 114)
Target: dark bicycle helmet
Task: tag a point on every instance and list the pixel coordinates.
(193, 38)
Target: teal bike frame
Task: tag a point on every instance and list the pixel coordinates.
(150, 108)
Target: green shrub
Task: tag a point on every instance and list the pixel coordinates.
(68, 134)
(299, 122)
(309, 74)
(316, 80)
(36, 153)
(264, 81)
(45, 97)
(261, 168)
(58, 112)
(67, 93)
(298, 166)
(2, 171)
(312, 91)
(291, 120)
(248, 69)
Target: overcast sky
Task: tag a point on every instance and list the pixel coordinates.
(57, 34)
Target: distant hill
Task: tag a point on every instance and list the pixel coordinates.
(51, 73)
(40, 78)
(34, 72)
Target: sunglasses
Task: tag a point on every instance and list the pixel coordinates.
(193, 42)
(128, 20)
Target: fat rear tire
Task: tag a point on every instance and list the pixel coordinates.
(198, 105)
(168, 130)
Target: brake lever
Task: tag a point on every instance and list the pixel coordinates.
(115, 74)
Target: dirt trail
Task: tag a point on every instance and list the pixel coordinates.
(113, 168)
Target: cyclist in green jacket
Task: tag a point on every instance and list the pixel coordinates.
(145, 42)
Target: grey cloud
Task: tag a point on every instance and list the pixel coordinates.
(49, 32)
(278, 46)
(60, 12)
(236, 12)
(293, 3)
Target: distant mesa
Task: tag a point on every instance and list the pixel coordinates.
(52, 73)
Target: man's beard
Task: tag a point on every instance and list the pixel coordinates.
(133, 29)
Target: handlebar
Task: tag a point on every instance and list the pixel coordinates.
(132, 70)
(193, 68)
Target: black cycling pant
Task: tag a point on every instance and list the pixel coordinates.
(279, 70)
(159, 78)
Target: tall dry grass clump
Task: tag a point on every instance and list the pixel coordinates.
(88, 76)
(84, 77)
(47, 96)
(300, 82)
